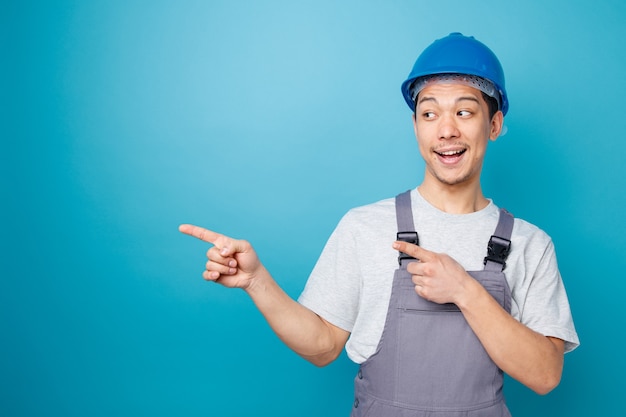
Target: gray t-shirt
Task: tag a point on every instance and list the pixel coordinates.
(350, 285)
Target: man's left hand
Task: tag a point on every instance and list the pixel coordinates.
(437, 277)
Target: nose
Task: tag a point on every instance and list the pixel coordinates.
(448, 128)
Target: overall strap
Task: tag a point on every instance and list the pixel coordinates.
(406, 227)
(500, 243)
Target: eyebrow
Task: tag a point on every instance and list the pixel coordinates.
(462, 98)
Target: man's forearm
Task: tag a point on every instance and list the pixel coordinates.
(298, 327)
(527, 356)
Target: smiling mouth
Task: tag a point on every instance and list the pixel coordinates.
(450, 156)
(451, 153)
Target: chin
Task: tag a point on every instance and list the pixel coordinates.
(453, 181)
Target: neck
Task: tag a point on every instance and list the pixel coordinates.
(454, 199)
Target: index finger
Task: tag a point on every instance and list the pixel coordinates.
(199, 232)
(413, 250)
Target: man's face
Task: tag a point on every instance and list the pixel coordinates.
(452, 128)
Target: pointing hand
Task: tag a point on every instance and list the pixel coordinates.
(232, 263)
(437, 277)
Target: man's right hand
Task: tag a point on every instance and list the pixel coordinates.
(232, 263)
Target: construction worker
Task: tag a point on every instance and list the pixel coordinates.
(436, 292)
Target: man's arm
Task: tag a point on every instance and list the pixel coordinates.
(527, 356)
(234, 264)
(531, 358)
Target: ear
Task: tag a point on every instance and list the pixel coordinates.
(414, 117)
(496, 125)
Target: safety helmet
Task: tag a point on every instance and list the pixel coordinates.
(458, 54)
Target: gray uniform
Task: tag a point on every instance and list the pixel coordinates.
(429, 361)
(350, 285)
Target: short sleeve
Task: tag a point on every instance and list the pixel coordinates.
(546, 307)
(332, 290)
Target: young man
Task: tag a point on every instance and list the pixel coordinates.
(437, 292)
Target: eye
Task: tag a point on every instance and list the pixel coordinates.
(428, 115)
(464, 113)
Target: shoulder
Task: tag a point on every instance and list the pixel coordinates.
(532, 255)
(371, 214)
(367, 229)
(527, 233)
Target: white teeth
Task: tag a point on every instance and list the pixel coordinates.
(450, 153)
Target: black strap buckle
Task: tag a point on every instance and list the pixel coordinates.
(498, 250)
(409, 237)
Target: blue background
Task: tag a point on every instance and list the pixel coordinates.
(267, 121)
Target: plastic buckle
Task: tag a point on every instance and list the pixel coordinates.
(409, 237)
(498, 250)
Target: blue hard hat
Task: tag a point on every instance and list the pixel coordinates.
(458, 54)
